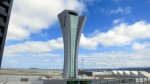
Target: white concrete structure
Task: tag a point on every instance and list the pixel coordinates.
(134, 74)
(144, 74)
(114, 72)
(120, 73)
(126, 73)
(141, 74)
(101, 73)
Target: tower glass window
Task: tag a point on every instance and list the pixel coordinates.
(74, 25)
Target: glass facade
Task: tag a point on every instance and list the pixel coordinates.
(74, 25)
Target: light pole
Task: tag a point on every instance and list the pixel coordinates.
(82, 64)
(82, 68)
(94, 66)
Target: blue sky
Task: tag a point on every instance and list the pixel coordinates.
(116, 34)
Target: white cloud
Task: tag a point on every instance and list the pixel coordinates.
(88, 43)
(28, 60)
(117, 21)
(120, 35)
(30, 16)
(17, 33)
(140, 46)
(34, 47)
(45, 46)
(121, 10)
(115, 59)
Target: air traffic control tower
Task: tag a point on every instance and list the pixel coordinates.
(71, 25)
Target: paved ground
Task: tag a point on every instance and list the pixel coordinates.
(35, 82)
(15, 83)
(30, 72)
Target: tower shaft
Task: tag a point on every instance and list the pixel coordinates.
(71, 25)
